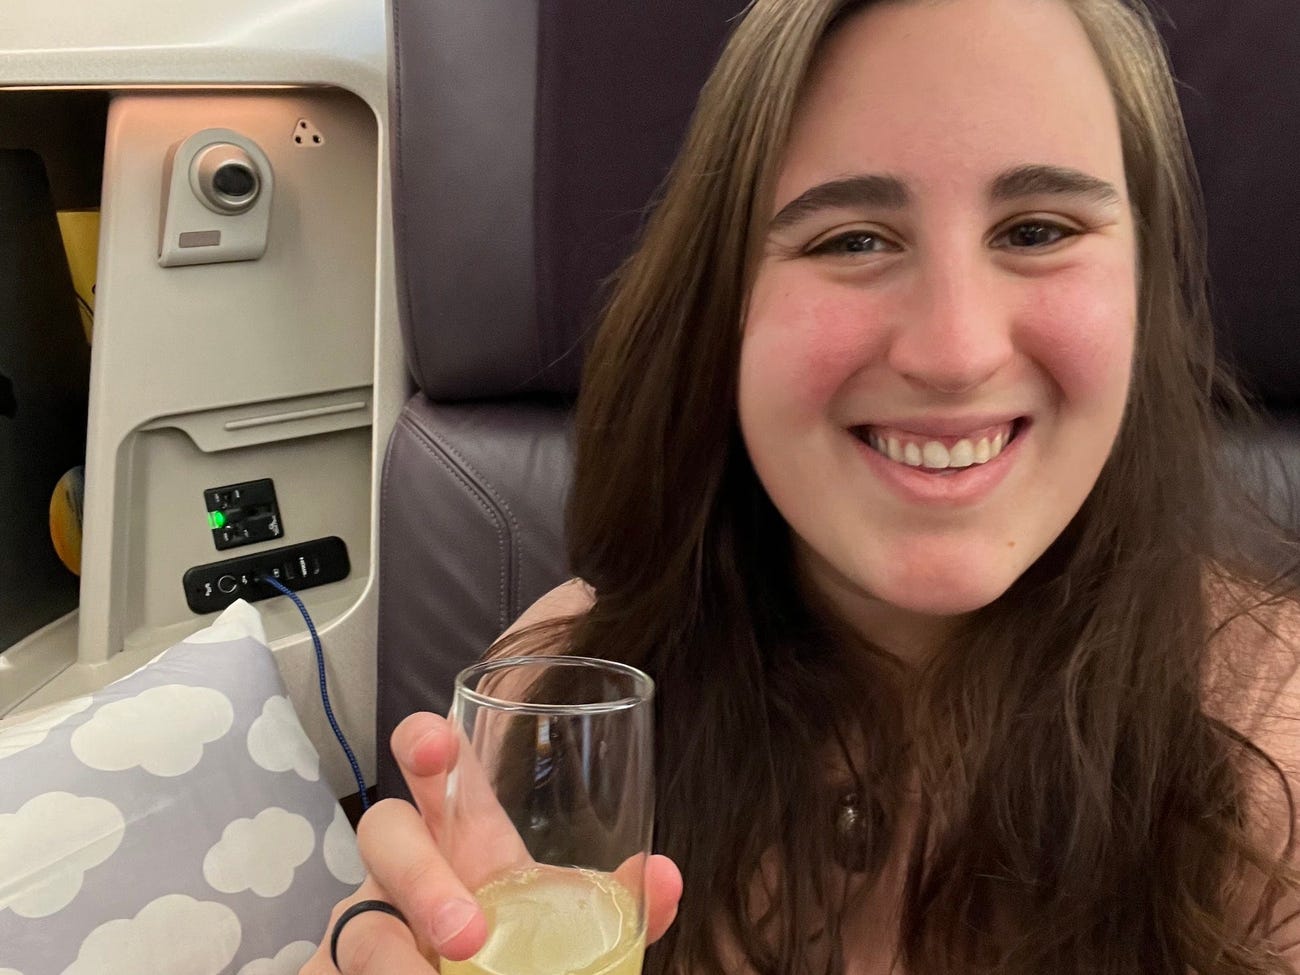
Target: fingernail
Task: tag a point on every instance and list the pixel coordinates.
(452, 918)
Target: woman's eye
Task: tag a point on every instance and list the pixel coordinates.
(1034, 234)
(854, 242)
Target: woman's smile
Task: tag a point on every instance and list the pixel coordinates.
(941, 470)
(938, 452)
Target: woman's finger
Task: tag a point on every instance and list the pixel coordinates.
(663, 892)
(426, 748)
(370, 943)
(482, 838)
(405, 861)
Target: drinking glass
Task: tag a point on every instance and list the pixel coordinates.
(549, 812)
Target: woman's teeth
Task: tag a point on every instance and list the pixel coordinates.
(933, 455)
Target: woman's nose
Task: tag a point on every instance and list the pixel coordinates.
(955, 331)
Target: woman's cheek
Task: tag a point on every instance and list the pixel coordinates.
(1080, 329)
(802, 346)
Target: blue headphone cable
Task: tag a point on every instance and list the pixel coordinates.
(324, 693)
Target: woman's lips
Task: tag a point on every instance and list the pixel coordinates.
(949, 484)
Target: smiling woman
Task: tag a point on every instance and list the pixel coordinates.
(898, 470)
(897, 231)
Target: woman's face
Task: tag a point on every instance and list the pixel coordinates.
(938, 346)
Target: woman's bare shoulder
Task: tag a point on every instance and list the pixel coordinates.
(569, 599)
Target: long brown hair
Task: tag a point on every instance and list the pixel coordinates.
(1079, 809)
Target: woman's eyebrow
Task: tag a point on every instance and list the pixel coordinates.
(1041, 180)
(880, 192)
(866, 190)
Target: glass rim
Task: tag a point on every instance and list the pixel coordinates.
(643, 683)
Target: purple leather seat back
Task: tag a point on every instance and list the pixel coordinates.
(1238, 65)
(527, 139)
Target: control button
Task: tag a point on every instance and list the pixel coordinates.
(227, 584)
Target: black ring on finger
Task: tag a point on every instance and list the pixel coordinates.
(360, 907)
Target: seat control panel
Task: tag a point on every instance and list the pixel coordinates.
(241, 514)
(213, 587)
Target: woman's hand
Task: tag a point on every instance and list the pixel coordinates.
(406, 867)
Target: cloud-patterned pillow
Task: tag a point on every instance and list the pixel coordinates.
(174, 822)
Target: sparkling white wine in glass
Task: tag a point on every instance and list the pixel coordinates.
(549, 813)
(549, 920)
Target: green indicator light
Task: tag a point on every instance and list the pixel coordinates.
(216, 519)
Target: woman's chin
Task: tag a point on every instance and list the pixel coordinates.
(880, 593)
(943, 595)
(910, 615)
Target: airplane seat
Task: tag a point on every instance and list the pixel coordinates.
(526, 141)
(1238, 67)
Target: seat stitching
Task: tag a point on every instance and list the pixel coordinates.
(438, 450)
(512, 607)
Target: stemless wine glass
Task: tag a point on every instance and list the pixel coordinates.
(549, 813)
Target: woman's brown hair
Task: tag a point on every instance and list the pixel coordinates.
(1077, 806)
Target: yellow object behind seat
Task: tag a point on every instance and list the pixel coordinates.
(80, 232)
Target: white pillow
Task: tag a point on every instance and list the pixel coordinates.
(174, 822)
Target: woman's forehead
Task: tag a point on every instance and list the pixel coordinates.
(953, 90)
